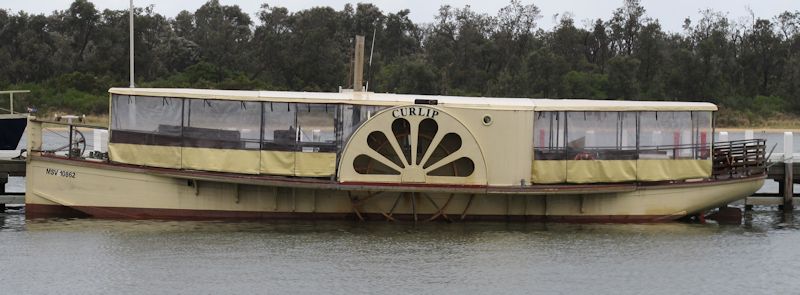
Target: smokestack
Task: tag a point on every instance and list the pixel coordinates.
(358, 69)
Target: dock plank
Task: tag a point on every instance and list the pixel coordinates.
(12, 167)
(12, 199)
(768, 201)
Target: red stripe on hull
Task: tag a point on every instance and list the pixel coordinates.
(48, 211)
(45, 211)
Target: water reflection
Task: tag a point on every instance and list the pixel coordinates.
(150, 256)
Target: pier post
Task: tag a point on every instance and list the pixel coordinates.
(788, 179)
(3, 182)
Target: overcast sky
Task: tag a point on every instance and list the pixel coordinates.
(670, 13)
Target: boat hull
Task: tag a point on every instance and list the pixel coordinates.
(79, 188)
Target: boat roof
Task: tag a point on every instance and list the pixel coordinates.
(389, 99)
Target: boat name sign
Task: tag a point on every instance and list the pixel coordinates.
(415, 111)
(59, 172)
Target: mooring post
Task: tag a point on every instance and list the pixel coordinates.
(3, 182)
(788, 179)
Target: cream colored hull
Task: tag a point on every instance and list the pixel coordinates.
(117, 193)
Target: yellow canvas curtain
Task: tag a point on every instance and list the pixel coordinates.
(145, 155)
(306, 164)
(221, 160)
(591, 171)
(600, 171)
(658, 170)
(277, 163)
(549, 171)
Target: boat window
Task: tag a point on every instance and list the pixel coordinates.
(668, 135)
(316, 131)
(352, 116)
(601, 136)
(222, 124)
(280, 126)
(702, 122)
(548, 137)
(146, 120)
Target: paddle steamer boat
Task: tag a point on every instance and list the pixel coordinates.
(191, 153)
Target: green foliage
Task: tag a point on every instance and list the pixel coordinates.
(741, 111)
(622, 79)
(544, 71)
(585, 85)
(407, 75)
(49, 97)
(71, 57)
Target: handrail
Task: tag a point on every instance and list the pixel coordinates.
(76, 144)
(11, 98)
(629, 148)
(739, 158)
(82, 125)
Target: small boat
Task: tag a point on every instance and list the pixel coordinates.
(199, 154)
(12, 125)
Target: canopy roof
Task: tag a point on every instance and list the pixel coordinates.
(387, 99)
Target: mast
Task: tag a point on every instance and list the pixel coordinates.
(371, 51)
(130, 38)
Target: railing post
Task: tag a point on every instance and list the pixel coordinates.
(788, 154)
(69, 149)
(34, 137)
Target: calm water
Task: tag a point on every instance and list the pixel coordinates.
(189, 257)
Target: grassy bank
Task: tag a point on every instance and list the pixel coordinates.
(748, 120)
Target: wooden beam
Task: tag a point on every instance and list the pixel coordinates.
(358, 72)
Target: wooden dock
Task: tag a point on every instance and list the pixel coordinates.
(782, 170)
(777, 171)
(8, 168)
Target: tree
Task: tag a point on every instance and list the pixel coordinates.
(622, 80)
(70, 57)
(544, 73)
(222, 32)
(598, 45)
(407, 75)
(765, 54)
(650, 54)
(625, 26)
